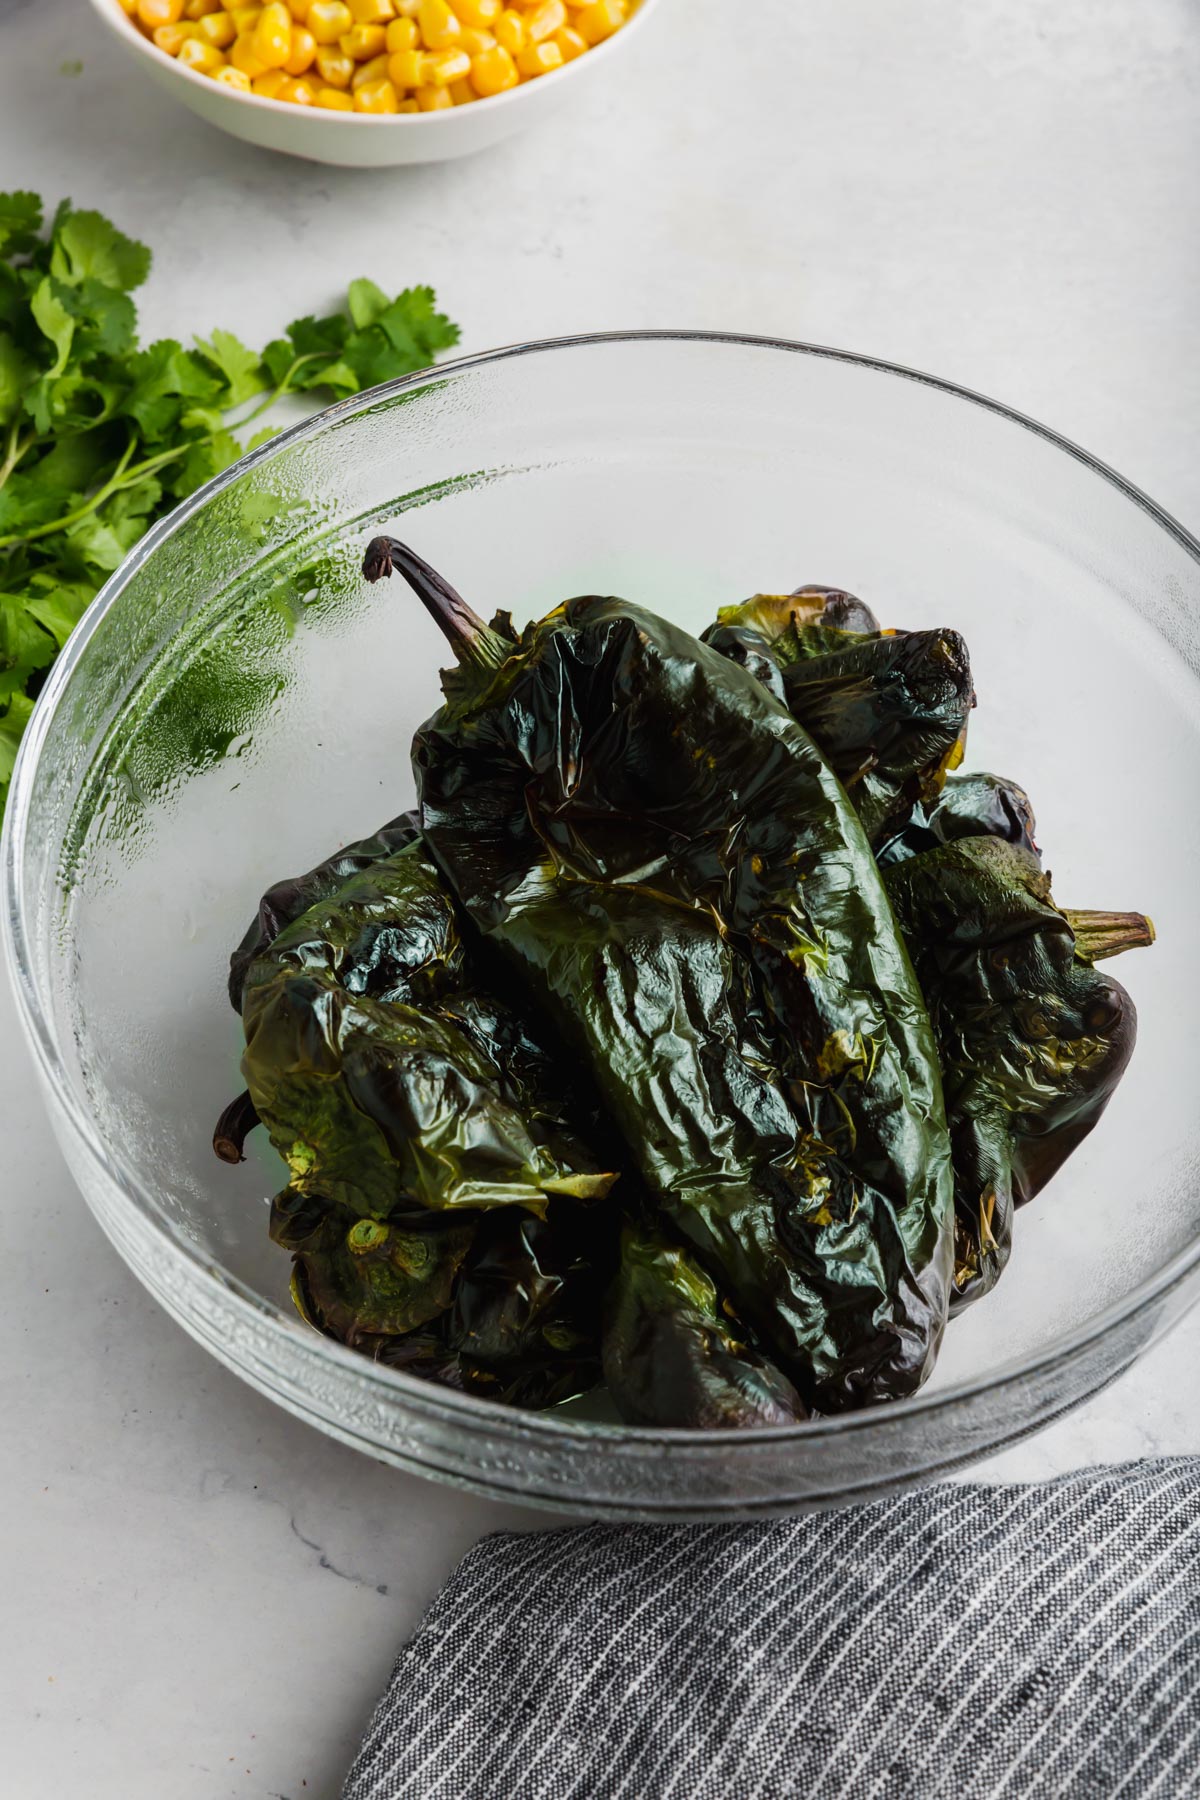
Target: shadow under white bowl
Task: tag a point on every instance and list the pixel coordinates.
(371, 141)
(238, 702)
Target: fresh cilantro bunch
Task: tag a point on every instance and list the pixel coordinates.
(99, 436)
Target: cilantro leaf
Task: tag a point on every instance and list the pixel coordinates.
(87, 245)
(99, 436)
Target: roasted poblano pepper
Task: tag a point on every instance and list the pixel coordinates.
(889, 710)
(673, 1354)
(968, 806)
(379, 1078)
(1032, 1038)
(672, 869)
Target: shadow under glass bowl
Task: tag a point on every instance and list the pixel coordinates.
(238, 702)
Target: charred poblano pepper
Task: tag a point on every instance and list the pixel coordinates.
(888, 710)
(660, 852)
(674, 1355)
(378, 1078)
(968, 806)
(1032, 1038)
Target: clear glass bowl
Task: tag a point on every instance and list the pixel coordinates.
(238, 702)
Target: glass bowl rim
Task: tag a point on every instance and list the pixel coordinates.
(393, 1384)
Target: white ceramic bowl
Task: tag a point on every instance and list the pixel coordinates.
(359, 140)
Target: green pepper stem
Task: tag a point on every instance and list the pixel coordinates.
(474, 644)
(1101, 934)
(234, 1127)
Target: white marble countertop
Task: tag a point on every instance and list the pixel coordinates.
(201, 1597)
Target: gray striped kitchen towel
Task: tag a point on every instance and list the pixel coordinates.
(969, 1641)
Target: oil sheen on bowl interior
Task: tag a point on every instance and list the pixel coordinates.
(239, 702)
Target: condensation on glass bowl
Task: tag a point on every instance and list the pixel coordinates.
(238, 702)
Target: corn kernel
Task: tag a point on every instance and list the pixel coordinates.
(439, 24)
(493, 72)
(510, 32)
(367, 73)
(271, 41)
(155, 13)
(401, 34)
(475, 42)
(304, 50)
(270, 84)
(332, 99)
(298, 92)
(328, 20)
(299, 11)
(376, 97)
(407, 68)
(362, 42)
(406, 9)
(201, 9)
(334, 67)
(206, 59)
(408, 106)
(433, 99)
(445, 66)
(461, 92)
(245, 18)
(545, 20)
(570, 43)
(242, 57)
(599, 20)
(539, 59)
(172, 38)
(128, 7)
(217, 29)
(231, 77)
(482, 14)
(372, 12)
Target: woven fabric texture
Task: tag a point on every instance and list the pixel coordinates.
(962, 1641)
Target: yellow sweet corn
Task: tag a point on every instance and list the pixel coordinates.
(570, 43)
(377, 56)
(365, 74)
(510, 33)
(362, 42)
(271, 39)
(172, 38)
(329, 20)
(439, 24)
(376, 97)
(334, 66)
(304, 53)
(599, 20)
(402, 34)
(204, 58)
(217, 29)
(544, 20)
(407, 68)
(540, 59)
(152, 14)
(493, 72)
(445, 66)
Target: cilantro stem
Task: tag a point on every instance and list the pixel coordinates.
(126, 475)
(14, 450)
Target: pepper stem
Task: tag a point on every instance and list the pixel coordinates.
(234, 1127)
(474, 644)
(1101, 934)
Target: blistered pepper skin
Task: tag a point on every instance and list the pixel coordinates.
(660, 851)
